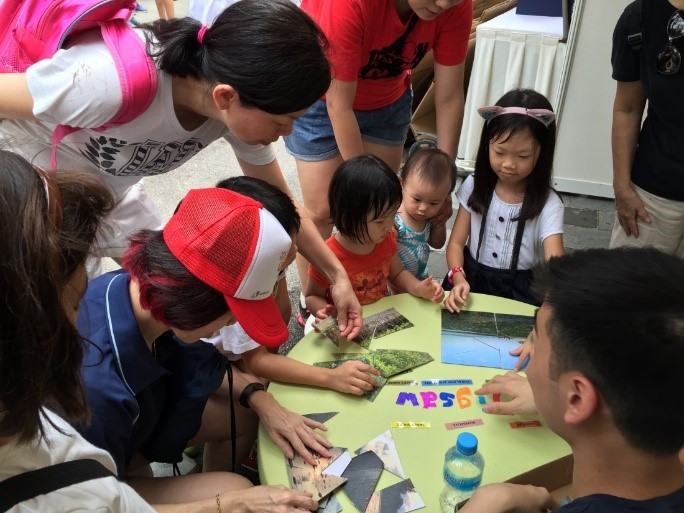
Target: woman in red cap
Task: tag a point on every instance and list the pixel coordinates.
(216, 262)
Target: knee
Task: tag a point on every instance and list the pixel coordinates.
(319, 210)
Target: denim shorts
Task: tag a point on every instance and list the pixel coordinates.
(312, 138)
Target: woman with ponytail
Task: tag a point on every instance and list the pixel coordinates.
(245, 78)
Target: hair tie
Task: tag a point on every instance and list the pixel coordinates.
(544, 116)
(53, 199)
(200, 34)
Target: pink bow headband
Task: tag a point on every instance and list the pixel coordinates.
(543, 115)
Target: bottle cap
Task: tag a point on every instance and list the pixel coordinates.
(466, 443)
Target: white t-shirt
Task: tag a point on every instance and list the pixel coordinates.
(101, 495)
(500, 229)
(232, 341)
(79, 86)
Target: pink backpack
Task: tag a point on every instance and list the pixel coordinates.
(32, 30)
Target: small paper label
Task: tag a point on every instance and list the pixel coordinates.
(411, 425)
(430, 382)
(526, 424)
(464, 424)
(441, 382)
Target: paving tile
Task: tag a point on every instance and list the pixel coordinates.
(588, 202)
(577, 237)
(606, 220)
(581, 217)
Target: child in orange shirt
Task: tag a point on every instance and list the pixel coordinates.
(364, 197)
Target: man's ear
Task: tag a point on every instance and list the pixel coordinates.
(581, 398)
(224, 96)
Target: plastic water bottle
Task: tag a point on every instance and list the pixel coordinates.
(463, 466)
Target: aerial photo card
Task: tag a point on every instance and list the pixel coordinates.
(383, 445)
(362, 474)
(381, 324)
(399, 498)
(388, 361)
(478, 350)
(487, 323)
(305, 478)
(321, 417)
(374, 326)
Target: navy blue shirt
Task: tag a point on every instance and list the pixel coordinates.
(598, 503)
(140, 399)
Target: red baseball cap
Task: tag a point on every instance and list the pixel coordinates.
(235, 246)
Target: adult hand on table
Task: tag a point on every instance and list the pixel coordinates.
(353, 377)
(349, 311)
(291, 432)
(513, 385)
(267, 499)
(630, 209)
(509, 498)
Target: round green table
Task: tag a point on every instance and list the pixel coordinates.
(507, 451)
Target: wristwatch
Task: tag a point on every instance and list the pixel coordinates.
(454, 270)
(248, 391)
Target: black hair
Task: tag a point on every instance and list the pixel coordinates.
(362, 186)
(507, 125)
(617, 317)
(431, 165)
(270, 51)
(273, 199)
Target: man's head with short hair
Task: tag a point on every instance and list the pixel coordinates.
(615, 317)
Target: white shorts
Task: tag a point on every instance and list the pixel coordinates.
(134, 211)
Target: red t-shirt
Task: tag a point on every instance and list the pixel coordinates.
(368, 273)
(367, 44)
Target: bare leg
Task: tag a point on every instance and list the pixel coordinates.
(215, 431)
(390, 154)
(314, 179)
(166, 9)
(192, 487)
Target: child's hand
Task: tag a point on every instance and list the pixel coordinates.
(525, 351)
(430, 289)
(458, 296)
(353, 377)
(323, 313)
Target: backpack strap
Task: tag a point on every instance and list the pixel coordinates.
(137, 78)
(137, 71)
(33, 483)
(632, 22)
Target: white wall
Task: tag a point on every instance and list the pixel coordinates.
(585, 104)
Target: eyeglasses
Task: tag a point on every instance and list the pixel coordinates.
(669, 59)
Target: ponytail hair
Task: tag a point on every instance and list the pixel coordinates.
(271, 52)
(507, 125)
(40, 349)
